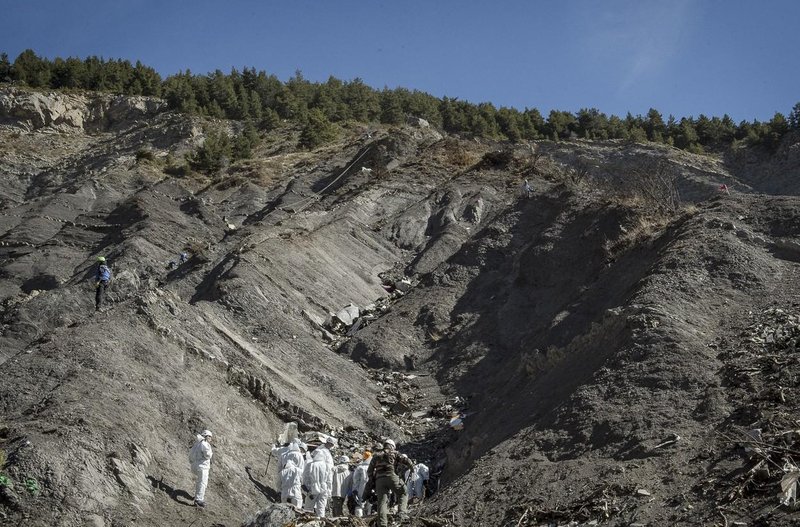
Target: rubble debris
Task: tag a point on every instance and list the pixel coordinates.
(396, 287)
(597, 507)
(344, 317)
(351, 318)
(282, 515)
(404, 285)
(671, 441)
(456, 422)
(757, 364)
(788, 494)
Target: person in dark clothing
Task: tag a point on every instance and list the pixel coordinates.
(102, 278)
(384, 469)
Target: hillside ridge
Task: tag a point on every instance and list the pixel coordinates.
(574, 330)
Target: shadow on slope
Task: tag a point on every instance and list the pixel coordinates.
(538, 318)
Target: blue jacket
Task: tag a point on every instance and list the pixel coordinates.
(103, 273)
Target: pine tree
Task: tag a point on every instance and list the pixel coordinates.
(533, 124)
(179, 93)
(391, 107)
(794, 115)
(70, 73)
(146, 79)
(270, 120)
(453, 119)
(560, 124)
(245, 142)
(362, 100)
(509, 122)
(687, 135)
(222, 92)
(655, 127)
(32, 70)
(317, 130)
(5, 68)
(777, 127)
(213, 154)
(256, 109)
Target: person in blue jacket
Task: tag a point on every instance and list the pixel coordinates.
(102, 278)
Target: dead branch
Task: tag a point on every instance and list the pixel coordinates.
(524, 514)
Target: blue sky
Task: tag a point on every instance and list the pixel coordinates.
(682, 57)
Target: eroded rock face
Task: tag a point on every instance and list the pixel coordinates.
(574, 339)
(67, 112)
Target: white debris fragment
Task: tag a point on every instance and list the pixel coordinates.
(788, 494)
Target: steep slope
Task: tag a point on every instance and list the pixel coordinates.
(575, 333)
(624, 364)
(99, 409)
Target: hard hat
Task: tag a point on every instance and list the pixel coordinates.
(207, 433)
(101, 258)
(367, 454)
(390, 443)
(344, 459)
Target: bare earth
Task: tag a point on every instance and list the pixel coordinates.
(611, 366)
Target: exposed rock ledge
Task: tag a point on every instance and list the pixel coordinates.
(73, 112)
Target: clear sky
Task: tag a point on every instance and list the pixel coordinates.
(682, 57)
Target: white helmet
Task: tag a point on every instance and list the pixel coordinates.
(389, 443)
(206, 433)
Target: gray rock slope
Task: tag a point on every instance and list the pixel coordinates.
(572, 326)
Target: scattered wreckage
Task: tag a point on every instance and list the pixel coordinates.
(349, 319)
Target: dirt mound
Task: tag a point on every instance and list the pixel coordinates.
(564, 357)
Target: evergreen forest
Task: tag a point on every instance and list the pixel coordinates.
(262, 100)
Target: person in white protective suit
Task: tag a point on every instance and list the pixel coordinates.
(279, 453)
(416, 481)
(360, 483)
(296, 454)
(338, 492)
(318, 477)
(291, 480)
(527, 190)
(200, 461)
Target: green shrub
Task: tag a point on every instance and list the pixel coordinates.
(178, 169)
(245, 142)
(32, 486)
(497, 159)
(695, 148)
(270, 120)
(317, 130)
(213, 154)
(144, 154)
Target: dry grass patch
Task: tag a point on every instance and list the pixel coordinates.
(643, 230)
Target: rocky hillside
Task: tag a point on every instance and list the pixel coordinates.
(609, 363)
